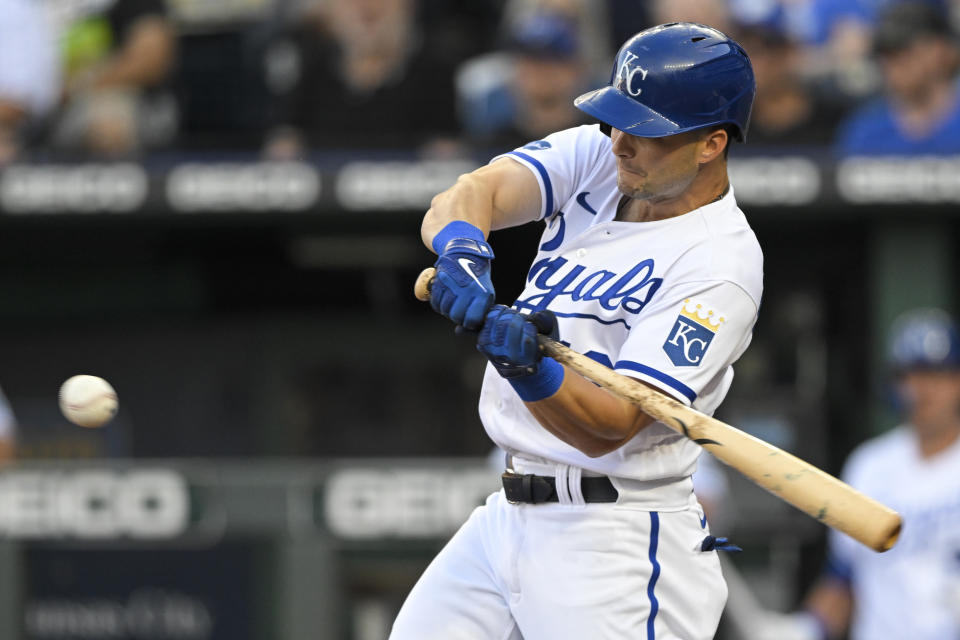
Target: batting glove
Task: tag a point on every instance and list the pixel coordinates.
(462, 290)
(509, 340)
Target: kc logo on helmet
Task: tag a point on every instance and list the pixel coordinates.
(626, 73)
(691, 335)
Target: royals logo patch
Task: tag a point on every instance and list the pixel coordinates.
(691, 334)
(537, 145)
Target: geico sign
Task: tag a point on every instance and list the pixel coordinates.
(370, 503)
(93, 504)
(84, 188)
(284, 186)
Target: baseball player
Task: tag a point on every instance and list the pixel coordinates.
(913, 590)
(646, 265)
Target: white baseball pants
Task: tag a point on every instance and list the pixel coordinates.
(560, 571)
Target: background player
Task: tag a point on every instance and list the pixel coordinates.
(646, 265)
(913, 590)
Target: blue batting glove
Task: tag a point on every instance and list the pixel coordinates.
(546, 323)
(509, 340)
(462, 290)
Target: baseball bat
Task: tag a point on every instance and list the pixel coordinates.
(813, 491)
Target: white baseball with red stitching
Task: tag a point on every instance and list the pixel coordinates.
(88, 401)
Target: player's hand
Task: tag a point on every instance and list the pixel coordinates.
(462, 290)
(509, 340)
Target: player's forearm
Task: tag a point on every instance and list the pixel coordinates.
(145, 59)
(588, 417)
(501, 194)
(470, 200)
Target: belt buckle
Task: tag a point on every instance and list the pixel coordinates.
(509, 501)
(508, 463)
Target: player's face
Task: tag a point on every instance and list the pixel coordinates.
(911, 73)
(932, 397)
(656, 168)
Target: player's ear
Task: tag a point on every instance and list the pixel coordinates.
(714, 142)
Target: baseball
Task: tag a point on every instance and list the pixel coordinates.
(88, 401)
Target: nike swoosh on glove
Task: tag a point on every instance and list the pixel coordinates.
(462, 290)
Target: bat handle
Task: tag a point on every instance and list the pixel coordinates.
(421, 289)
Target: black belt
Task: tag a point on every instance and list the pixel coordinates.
(533, 489)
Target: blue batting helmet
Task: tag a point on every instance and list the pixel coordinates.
(674, 78)
(924, 339)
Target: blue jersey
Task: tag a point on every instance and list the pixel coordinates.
(874, 130)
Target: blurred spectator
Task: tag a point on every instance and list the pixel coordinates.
(527, 91)
(29, 76)
(713, 13)
(591, 20)
(921, 110)
(826, 20)
(833, 38)
(460, 29)
(117, 55)
(786, 111)
(818, 22)
(8, 426)
(359, 74)
(627, 17)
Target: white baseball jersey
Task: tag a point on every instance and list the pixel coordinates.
(670, 302)
(913, 590)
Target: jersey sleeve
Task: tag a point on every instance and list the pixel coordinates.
(562, 161)
(688, 338)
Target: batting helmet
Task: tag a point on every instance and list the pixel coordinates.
(924, 339)
(674, 78)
